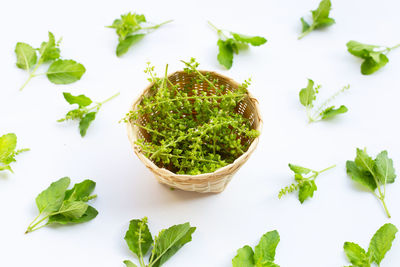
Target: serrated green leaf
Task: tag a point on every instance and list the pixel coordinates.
(26, 56)
(307, 95)
(306, 190)
(125, 44)
(360, 176)
(253, 40)
(138, 237)
(65, 71)
(381, 242)
(331, 112)
(264, 252)
(51, 199)
(81, 100)
(244, 257)
(169, 241)
(85, 122)
(128, 263)
(356, 254)
(298, 169)
(49, 50)
(225, 55)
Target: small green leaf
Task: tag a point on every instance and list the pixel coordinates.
(306, 190)
(244, 257)
(331, 112)
(138, 237)
(384, 168)
(305, 25)
(8, 144)
(49, 50)
(51, 199)
(253, 40)
(370, 65)
(85, 122)
(169, 241)
(81, 100)
(125, 44)
(73, 209)
(307, 95)
(65, 71)
(225, 55)
(89, 215)
(359, 49)
(364, 161)
(298, 169)
(81, 191)
(360, 176)
(128, 263)
(356, 254)
(321, 14)
(381, 242)
(26, 56)
(265, 250)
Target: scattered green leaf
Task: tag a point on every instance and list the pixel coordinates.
(308, 95)
(130, 29)
(8, 151)
(305, 184)
(372, 174)
(320, 18)
(165, 245)
(380, 244)
(84, 113)
(232, 42)
(56, 204)
(262, 256)
(60, 71)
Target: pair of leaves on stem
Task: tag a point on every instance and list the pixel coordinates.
(164, 246)
(379, 245)
(84, 113)
(130, 30)
(8, 151)
(56, 204)
(320, 18)
(308, 95)
(231, 42)
(263, 254)
(372, 173)
(60, 71)
(374, 56)
(304, 184)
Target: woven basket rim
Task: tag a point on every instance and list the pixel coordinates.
(150, 164)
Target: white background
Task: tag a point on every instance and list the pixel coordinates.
(312, 234)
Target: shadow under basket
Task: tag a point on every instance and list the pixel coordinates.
(207, 182)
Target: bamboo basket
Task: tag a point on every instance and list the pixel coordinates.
(207, 182)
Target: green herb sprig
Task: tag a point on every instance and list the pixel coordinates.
(130, 29)
(374, 56)
(372, 174)
(320, 18)
(192, 132)
(263, 254)
(308, 95)
(84, 113)
(165, 245)
(380, 244)
(8, 151)
(232, 42)
(304, 184)
(60, 71)
(58, 205)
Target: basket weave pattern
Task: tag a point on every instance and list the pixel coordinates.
(206, 182)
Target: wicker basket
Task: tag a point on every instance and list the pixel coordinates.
(206, 182)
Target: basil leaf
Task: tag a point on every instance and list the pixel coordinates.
(65, 71)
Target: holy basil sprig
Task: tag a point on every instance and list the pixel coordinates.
(320, 18)
(84, 113)
(60, 71)
(372, 173)
(263, 254)
(309, 94)
(304, 184)
(58, 205)
(374, 56)
(8, 151)
(130, 30)
(231, 42)
(162, 247)
(379, 245)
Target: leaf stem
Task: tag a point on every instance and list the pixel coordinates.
(32, 74)
(326, 169)
(330, 99)
(306, 32)
(391, 48)
(157, 26)
(219, 31)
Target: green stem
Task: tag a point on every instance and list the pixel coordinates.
(101, 103)
(219, 31)
(306, 32)
(157, 26)
(391, 48)
(385, 207)
(326, 169)
(108, 99)
(32, 74)
(148, 129)
(31, 227)
(330, 99)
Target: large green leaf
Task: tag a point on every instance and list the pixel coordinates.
(244, 257)
(384, 168)
(362, 177)
(381, 242)
(225, 54)
(51, 199)
(307, 95)
(81, 100)
(89, 215)
(356, 254)
(65, 71)
(138, 237)
(125, 44)
(265, 250)
(26, 56)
